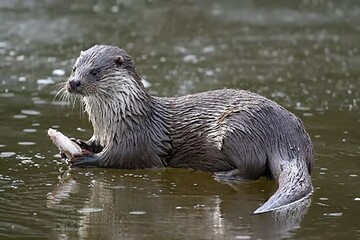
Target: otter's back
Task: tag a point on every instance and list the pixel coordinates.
(220, 130)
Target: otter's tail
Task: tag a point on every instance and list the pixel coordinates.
(294, 185)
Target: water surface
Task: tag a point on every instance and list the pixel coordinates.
(304, 55)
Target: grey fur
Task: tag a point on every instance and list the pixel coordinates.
(232, 131)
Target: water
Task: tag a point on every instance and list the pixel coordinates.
(304, 55)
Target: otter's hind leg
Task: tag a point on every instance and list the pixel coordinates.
(230, 176)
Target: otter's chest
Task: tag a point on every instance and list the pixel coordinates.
(105, 120)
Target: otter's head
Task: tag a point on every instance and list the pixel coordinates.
(103, 70)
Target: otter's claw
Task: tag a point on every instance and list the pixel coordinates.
(62, 154)
(85, 161)
(81, 143)
(229, 176)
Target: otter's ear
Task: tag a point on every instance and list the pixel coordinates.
(119, 60)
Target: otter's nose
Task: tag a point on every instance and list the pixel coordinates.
(74, 85)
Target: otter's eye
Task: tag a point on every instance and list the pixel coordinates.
(94, 72)
(119, 60)
(73, 69)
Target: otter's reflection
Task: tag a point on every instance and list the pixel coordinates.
(168, 203)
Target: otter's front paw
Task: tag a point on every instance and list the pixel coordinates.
(86, 159)
(82, 144)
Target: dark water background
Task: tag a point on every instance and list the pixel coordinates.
(303, 54)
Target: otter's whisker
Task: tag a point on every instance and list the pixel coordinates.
(60, 90)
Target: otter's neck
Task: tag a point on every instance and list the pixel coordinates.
(129, 115)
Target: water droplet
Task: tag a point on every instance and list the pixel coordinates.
(4, 44)
(190, 59)
(89, 210)
(7, 154)
(39, 156)
(209, 73)
(307, 114)
(20, 116)
(7, 94)
(338, 214)
(137, 212)
(38, 100)
(209, 49)
(20, 58)
(96, 8)
(30, 112)
(22, 79)
(118, 187)
(29, 130)
(26, 143)
(58, 72)
(27, 161)
(45, 81)
(243, 237)
(114, 9)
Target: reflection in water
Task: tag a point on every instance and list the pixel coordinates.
(64, 188)
(290, 217)
(136, 203)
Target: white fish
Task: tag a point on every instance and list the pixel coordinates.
(64, 144)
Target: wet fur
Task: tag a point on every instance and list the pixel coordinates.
(231, 131)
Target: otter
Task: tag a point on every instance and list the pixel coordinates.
(231, 133)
